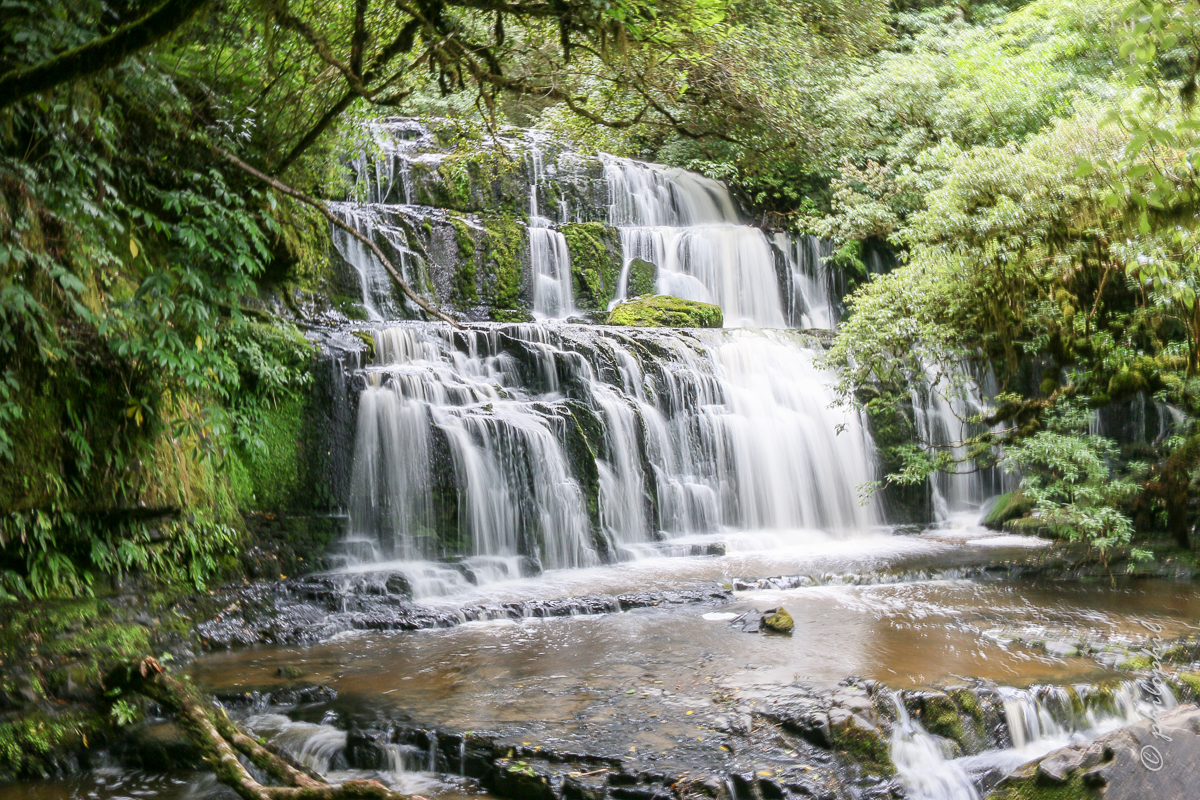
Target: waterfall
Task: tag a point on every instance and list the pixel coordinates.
(684, 224)
(812, 290)
(380, 225)
(943, 399)
(1038, 720)
(549, 259)
(570, 445)
(688, 227)
(923, 761)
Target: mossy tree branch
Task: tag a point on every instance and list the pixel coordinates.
(220, 741)
(107, 51)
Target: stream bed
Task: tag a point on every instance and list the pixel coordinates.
(683, 689)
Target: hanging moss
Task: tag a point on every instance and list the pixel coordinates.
(595, 251)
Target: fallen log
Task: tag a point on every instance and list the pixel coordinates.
(220, 741)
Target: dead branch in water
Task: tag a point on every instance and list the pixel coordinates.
(220, 741)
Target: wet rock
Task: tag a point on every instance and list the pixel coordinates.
(778, 620)
(398, 585)
(159, 747)
(1061, 649)
(1157, 758)
(1058, 766)
(290, 672)
(365, 750)
(521, 779)
(262, 697)
(861, 742)
(643, 278)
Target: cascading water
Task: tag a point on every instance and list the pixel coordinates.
(812, 290)
(944, 401)
(491, 452)
(570, 446)
(549, 259)
(688, 227)
(1038, 720)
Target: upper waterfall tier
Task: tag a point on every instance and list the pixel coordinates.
(573, 446)
(519, 227)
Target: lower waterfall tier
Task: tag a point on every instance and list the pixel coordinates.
(569, 446)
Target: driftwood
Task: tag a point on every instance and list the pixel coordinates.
(220, 742)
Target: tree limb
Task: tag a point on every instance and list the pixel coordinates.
(219, 740)
(283, 188)
(107, 51)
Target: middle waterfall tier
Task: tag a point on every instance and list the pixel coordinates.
(570, 446)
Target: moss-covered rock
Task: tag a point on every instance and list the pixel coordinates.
(595, 251)
(860, 742)
(664, 311)
(502, 269)
(1044, 526)
(642, 280)
(778, 621)
(1008, 506)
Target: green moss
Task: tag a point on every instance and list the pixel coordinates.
(351, 308)
(643, 278)
(663, 311)
(1138, 662)
(502, 269)
(465, 289)
(779, 622)
(1011, 505)
(268, 478)
(1031, 788)
(940, 716)
(865, 747)
(1192, 681)
(368, 339)
(595, 263)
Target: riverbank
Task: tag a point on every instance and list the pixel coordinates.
(542, 683)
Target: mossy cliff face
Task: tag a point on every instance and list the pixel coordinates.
(595, 263)
(663, 311)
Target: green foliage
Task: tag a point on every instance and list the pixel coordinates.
(124, 713)
(1065, 474)
(31, 745)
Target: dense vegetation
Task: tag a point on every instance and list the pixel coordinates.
(1030, 165)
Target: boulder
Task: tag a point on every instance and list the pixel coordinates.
(778, 620)
(664, 311)
(1157, 758)
(642, 280)
(1008, 506)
